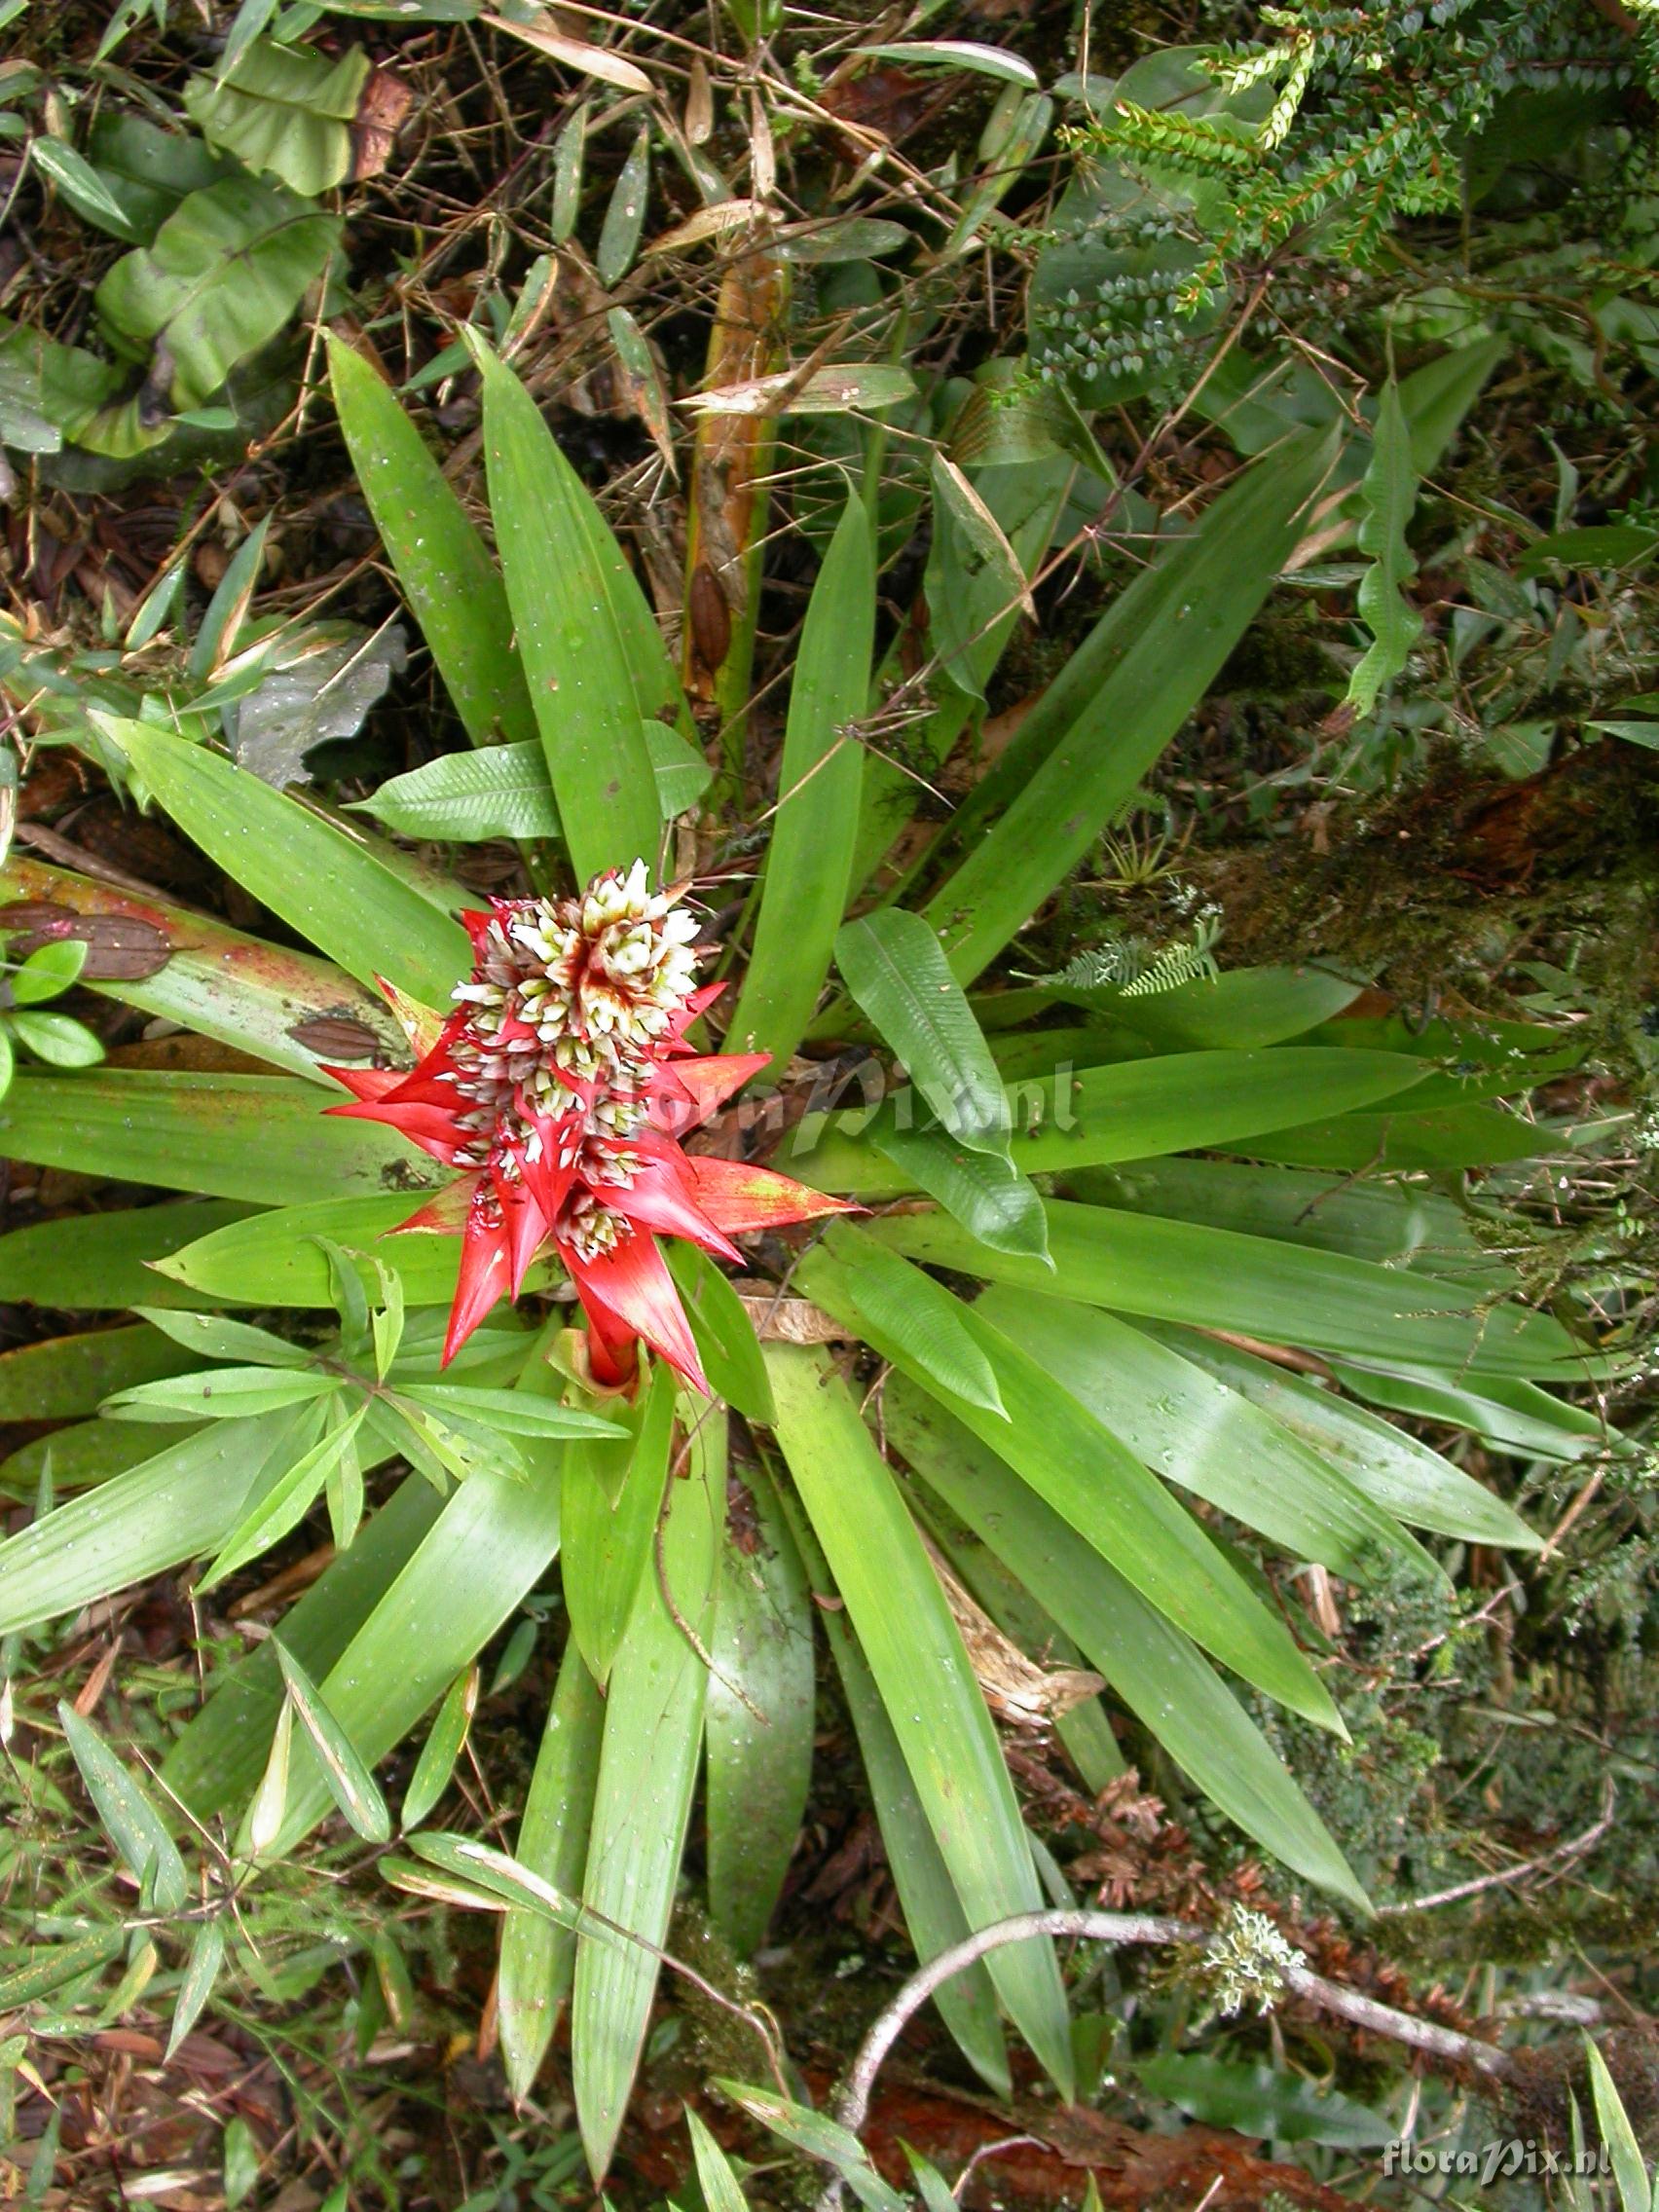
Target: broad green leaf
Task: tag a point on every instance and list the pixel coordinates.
(1388, 496)
(217, 1760)
(995, 1203)
(1241, 1011)
(648, 1770)
(223, 274)
(760, 1714)
(91, 1451)
(91, 195)
(1443, 1137)
(97, 1262)
(1509, 1415)
(892, 963)
(452, 586)
(58, 1038)
(724, 1334)
(168, 1509)
(49, 970)
(350, 1782)
(538, 1957)
(1177, 1271)
(66, 1377)
(289, 1499)
(129, 1815)
(329, 882)
(807, 880)
(1140, 1109)
(445, 1741)
(277, 1258)
(908, 1309)
(1188, 1426)
(1386, 1460)
(933, 1911)
(1123, 695)
(286, 110)
(1093, 1481)
(503, 791)
(610, 1525)
(1156, 1671)
(1265, 2101)
(574, 652)
(927, 1684)
(263, 1138)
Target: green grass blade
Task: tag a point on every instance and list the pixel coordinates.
(809, 863)
(131, 1817)
(927, 1684)
(261, 1138)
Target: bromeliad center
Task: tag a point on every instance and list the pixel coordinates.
(559, 1087)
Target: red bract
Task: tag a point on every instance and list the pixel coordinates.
(559, 1087)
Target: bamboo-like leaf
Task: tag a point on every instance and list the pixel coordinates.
(760, 1716)
(131, 1817)
(350, 1784)
(1156, 1670)
(538, 1957)
(196, 1985)
(452, 586)
(573, 650)
(260, 1138)
(221, 1393)
(1618, 2136)
(271, 1798)
(721, 2189)
(329, 882)
(55, 1965)
(1178, 1270)
(625, 214)
(91, 1451)
(820, 2137)
(609, 1526)
(1387, 495)
(1122, 697)
(214, 1336)
(809, 863)
(926, 1685)
(654, 1730)
(288, 1501)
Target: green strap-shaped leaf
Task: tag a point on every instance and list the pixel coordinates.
(648, 1770)
(504, 791)
(759, 1722)
(986, 1193)
(892, 963)
(452, 586)
(331, 883)
(1156, 1670)
(262, 1138)
(1213, 1279)
(129, 1815)
(611, 1519)
(1093, 1481)
(573, 649)
(809, 863)
(1122, 697)
(933, 1911)
(1387, 493)
(539, 1957)
(99, 1262)
(1186, 1427)
(909, 1308)
(726, 1338)
(69, 1375)
(927, 1684)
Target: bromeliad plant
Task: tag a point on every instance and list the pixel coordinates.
(1090, 1380)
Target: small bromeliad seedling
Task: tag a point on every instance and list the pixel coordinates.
(1106, 1338)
